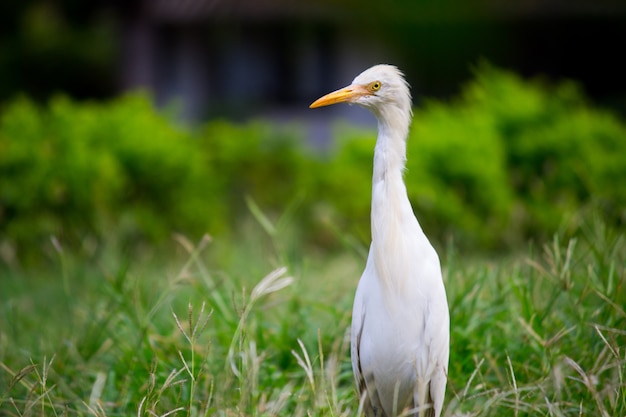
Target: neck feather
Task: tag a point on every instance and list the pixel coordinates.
(390, 152)
(392, 218)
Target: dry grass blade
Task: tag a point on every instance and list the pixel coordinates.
(180, 327)
(202, 320)
(617, 308)
(188, 246)
(171, 380)
(182, 358)
(176, 410)
(140, 407)
(17, 377)
(198, 327)
(532, 332)
(611, 348)
(193, 251)
(272, 282)
(97, 410)
(514, 381)
(39, 401)
(471, 378)
(589, 382)
(305, 363)
(560, 334)
(275, 406)
(97, 389)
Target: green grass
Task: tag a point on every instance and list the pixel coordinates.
(259, 327)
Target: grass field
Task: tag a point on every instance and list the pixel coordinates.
(259, 328)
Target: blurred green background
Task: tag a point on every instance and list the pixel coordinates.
(158, 159)
(127, 121)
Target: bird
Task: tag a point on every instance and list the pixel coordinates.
(400, 331)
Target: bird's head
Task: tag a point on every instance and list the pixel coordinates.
(379, 88)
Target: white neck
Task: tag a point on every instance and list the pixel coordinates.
(393, 221)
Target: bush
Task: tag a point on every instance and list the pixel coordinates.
(561, 153)
(84, 170)
(461, 185)
(255, 160)
(507, 160)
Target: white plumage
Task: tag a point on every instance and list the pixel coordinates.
(400, 320)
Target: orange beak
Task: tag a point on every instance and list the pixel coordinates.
(347, 94)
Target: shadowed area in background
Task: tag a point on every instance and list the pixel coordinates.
(247, 59)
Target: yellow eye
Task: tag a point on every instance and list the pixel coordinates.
(375, 86)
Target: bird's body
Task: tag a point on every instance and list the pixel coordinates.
(400, 320)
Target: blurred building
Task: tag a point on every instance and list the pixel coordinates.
(271, 58)
(245, 58)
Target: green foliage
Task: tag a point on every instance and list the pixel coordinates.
(85, 170)
(548, 322)
(345, 184)
(252, 160)
(460, 180)
(508, 160)
(75, 170)
(561, 153)
(538, 334)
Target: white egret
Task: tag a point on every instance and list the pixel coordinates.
(400, 320)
